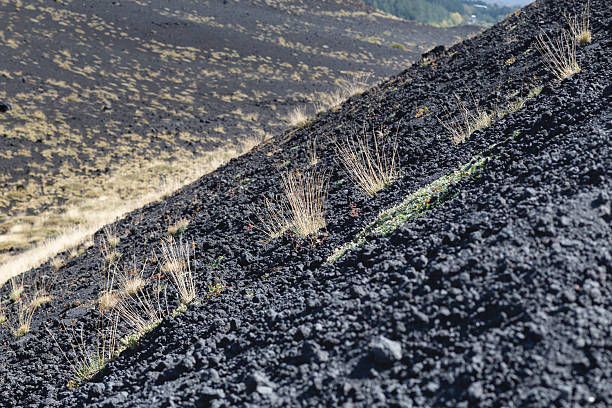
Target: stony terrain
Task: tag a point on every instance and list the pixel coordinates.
(486, 284)
(111, 98)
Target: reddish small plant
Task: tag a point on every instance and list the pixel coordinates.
(354, 210)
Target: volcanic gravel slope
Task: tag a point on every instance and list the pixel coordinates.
(496, 295)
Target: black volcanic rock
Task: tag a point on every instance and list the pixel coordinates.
(500, 295)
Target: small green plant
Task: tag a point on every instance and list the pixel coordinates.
(215, 290)
(216, 264)
(130, 340)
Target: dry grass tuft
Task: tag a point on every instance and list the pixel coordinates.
(468, 122)
(306, 195)
(313, 156)
(25, 312)
(179, 227)
(177, 264)
(273, 217)
(131, 281)
(111, 237)
(88, 359)
(57, 263)
(40, 297)
(580, 25)
(347, 87)
(301, 209)
(559, 54)
(371, 162)
(143, 311)
(97, 213)
(111, 257)
(16, 289)
(298, 117)
(354, 85)
(108, 299)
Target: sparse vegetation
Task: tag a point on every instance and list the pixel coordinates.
(143, 311)
(559, 54)
(16, 289)
(111, 256)
(313, 157)
(306, 195)
(177, 264)
(411, 207)
(298, 117)
(108, 299)
(301, 209)
(273, 217)
(131, 281)
(57, 263)
(215, 290)
(579, 25)
(40, 297)
(111, 237)
(179, 227)
(467, 123)
(88, 358)
(370, 160)
(518, 103)
(25, 312)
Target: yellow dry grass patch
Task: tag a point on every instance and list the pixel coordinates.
(82, 220)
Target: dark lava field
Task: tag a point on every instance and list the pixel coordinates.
(481, 277)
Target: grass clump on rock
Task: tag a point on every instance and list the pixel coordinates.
(559, 54)
(176, 258)
(301, 209)
(579, 25)
(371, 163)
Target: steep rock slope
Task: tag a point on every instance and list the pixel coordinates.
(497, 294)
